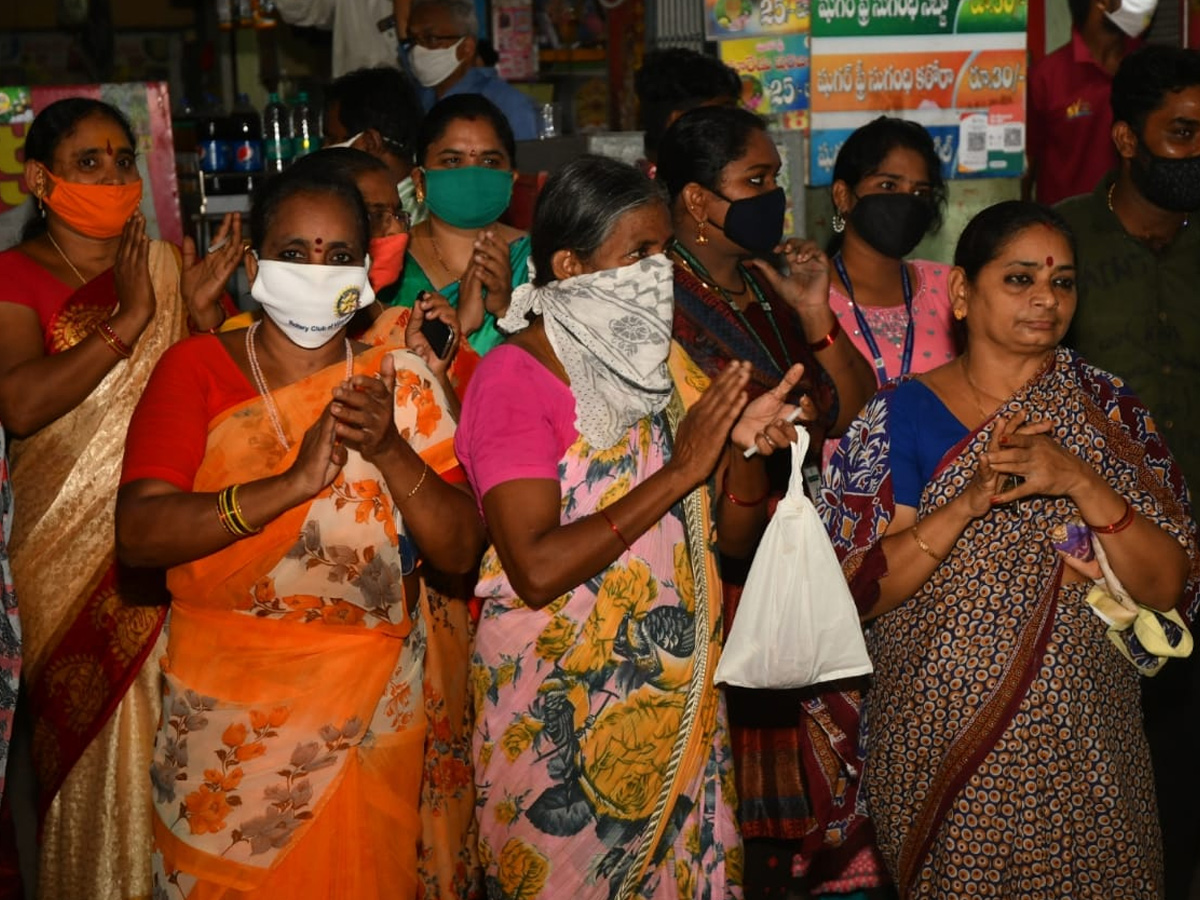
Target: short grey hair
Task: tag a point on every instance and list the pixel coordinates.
(462, 11)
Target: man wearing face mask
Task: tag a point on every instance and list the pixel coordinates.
(1068, 109)
(377, 111)
(442, 46)
(1139, 283)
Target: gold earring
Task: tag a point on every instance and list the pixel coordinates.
(960, 313)
(701, 228)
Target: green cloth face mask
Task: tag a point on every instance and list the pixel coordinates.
(470, 197)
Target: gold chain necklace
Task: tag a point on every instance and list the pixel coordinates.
(714, 287)
(1112, 187)
(438, 253)
(979, 395)
(82, 280)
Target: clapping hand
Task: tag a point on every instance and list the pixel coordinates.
(202, 282)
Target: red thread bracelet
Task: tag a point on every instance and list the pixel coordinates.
(1118, 526)
(828, 340)
(615, 529)
(738, 501)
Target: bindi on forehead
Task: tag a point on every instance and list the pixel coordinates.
(108, 147)
(318, 241)
(1049, 260)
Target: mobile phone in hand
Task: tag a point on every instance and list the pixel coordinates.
(440, 336)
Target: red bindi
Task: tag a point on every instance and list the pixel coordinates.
(1049, 260)
(318, 242)
(108, 148)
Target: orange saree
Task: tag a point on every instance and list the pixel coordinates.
(289, 759)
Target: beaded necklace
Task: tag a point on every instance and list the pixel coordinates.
(260, 382)
(694, 266)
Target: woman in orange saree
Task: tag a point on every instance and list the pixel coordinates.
(87, 306)
(288, 760)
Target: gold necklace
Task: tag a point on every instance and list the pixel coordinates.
(82, 280)
(979, 395)
(714, 287)
(1112, 187)
(438, 253)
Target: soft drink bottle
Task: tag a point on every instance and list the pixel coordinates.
(277, 134)
(247, 137)
(213, 146)
(306, 127)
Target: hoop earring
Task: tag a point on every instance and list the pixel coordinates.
(701, 229)
(838, 222)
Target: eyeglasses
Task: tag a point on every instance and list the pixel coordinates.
(382, 217)
(431, 41)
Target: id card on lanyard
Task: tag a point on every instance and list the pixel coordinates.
(864, 327)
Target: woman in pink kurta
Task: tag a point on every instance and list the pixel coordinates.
(888, 194)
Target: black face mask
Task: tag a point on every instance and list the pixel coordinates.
(755, 223)
(892, 223)
(1168, 183)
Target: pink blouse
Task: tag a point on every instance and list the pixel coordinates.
(933, 342)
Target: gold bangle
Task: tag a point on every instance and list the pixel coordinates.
(114, 341)
(420, 481)
(223, 515)
(104, 336)
(924, 546)
(235, 509)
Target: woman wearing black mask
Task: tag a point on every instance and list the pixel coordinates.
(794, 751)
(888, 194)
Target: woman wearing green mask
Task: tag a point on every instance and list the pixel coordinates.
(465, 149)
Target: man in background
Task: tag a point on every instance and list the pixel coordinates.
(1138, 316)
(443, 43)
(376, 110)
(671, 82)
(1069, 117)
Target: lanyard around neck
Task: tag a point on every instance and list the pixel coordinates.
(865, 328)
(703, 276)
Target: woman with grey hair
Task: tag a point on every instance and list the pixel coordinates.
(602, 761)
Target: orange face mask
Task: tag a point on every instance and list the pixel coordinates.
(387, 259)
(96, 210)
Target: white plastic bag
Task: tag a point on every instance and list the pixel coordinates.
(796, 623)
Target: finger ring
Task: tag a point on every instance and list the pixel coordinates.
(766, 437)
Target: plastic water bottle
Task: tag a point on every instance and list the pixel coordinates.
(247, 137)
(277, 134)
(306, 127)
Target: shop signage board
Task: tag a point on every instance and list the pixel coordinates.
(775, 75)
(149, 110)
(752, 18)
(968, 88)
(878, 18)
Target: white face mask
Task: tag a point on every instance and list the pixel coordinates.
(347, 144)
(611, 330)
(311, 303)
(1133, 16)
(432, 67)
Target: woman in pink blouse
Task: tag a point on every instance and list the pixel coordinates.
(888, 193)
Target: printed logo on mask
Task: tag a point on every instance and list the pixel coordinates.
(347, 301)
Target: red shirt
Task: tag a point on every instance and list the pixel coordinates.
(1070, 122)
